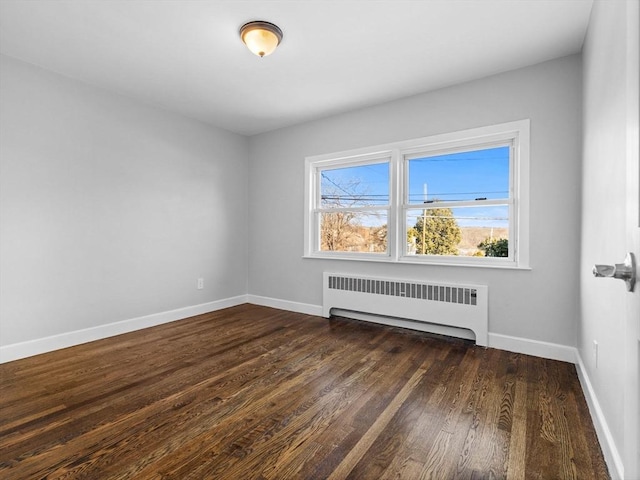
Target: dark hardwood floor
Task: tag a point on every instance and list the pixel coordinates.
(256, 393)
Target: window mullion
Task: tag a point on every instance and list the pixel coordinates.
(393, 231)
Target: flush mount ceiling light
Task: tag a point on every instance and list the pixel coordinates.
(260, 37)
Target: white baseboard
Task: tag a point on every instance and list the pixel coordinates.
(47, 344)
(297, 307)
(609, 450)
(17, 351)
(316, 310)
(536, 348)
(552, 351)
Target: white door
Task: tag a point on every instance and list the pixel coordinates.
(632, 385)
(610, 315)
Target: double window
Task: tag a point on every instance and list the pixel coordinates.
(458, 198)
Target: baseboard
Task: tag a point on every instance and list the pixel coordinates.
(17, 351)
(611, 454)
(552, 351)
(297, 307)
(536, 348)
(42, 345)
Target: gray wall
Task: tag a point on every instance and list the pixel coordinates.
(110, 209)
(540, 304)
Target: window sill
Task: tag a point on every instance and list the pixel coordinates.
(408, 261)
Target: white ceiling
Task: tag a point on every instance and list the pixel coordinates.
(186, 55)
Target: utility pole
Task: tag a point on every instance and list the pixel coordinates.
(424, 219)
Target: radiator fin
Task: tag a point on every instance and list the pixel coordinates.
(420, 291)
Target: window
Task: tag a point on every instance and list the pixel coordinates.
(353, 207)
(459, 198)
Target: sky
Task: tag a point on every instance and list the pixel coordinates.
(460, 176)
(470, 175)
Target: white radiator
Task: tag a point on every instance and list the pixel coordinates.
(461, 306)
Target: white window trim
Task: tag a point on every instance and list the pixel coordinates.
(398, 152)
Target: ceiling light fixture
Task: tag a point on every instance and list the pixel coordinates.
(260, 37)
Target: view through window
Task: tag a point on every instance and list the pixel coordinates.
(354, 206)
(426, 200)
(458, 203)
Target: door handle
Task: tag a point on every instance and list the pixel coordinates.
(624, 271)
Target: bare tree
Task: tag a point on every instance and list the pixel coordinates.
(344, 230)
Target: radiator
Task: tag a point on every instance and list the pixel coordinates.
(461, 306)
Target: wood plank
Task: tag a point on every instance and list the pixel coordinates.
(256, 393)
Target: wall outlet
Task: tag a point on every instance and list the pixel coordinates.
(595, 352)
(200, 285)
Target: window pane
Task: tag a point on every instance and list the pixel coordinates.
(467, 231)
(477, 174)
(358, 186)
(353, 232)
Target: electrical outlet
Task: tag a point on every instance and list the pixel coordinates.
(200, 283)
(595, 352)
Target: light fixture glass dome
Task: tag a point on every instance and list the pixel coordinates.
(260, 37)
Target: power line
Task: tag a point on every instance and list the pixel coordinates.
(334, 183)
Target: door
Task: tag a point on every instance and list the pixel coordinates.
(632, 385)
(609, 329)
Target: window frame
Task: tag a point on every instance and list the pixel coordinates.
(314, 174)
(515, 134)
